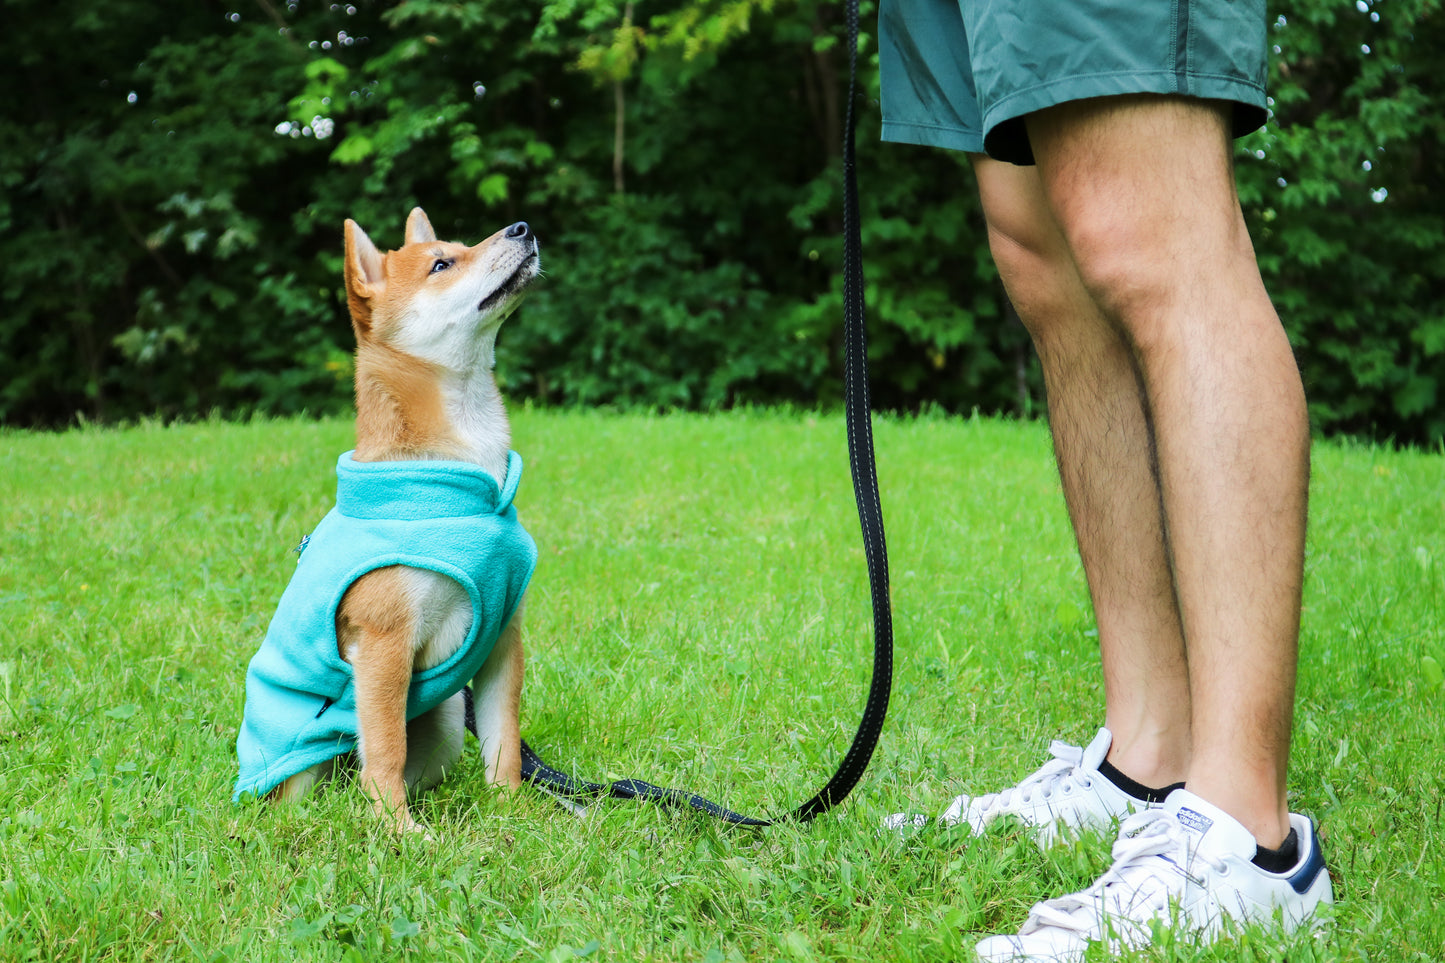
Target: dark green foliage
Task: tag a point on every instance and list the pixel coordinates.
(1345, 195)
(149, 263)
(679, 160)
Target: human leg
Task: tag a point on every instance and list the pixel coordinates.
(1148, 217)
(1120, 240)
(1104, 448)
(1162, 249)
(1105, 453)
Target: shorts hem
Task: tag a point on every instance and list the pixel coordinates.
(932, 135)
(1244, 94)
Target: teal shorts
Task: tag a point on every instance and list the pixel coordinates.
(963, 74)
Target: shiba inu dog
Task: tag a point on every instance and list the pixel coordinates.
(413, 586)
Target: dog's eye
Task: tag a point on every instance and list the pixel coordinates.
(441, 264)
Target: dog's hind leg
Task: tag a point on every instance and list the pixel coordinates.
(497, 696)
(306, 780)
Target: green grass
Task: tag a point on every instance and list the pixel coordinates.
(700, 618)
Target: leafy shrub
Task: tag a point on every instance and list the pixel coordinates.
(179, 174)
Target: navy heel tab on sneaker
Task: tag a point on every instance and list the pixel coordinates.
(1304, 877)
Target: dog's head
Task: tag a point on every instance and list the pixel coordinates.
(437, 300)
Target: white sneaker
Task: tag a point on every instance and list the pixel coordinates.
(1066, 796)
(1186, 865)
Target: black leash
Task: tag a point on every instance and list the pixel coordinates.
(870, 515)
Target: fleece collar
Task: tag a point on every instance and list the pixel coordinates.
(407, 490)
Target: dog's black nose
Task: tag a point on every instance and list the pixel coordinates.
(519, 231)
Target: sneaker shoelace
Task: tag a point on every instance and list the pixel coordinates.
(1135, 888)
(1058, 774)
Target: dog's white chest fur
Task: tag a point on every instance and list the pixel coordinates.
(443, 614)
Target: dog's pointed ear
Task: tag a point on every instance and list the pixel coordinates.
(365, 275)
(418, 228)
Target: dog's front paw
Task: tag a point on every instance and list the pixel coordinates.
(407, 827)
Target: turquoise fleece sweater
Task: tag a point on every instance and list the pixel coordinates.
(445, 516)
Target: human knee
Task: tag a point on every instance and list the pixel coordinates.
(1041, 283)
(1152, 276)
(1028, 249)
(1130, 274)
(1149, 243)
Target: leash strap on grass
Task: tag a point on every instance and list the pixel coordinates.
(870, 515)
